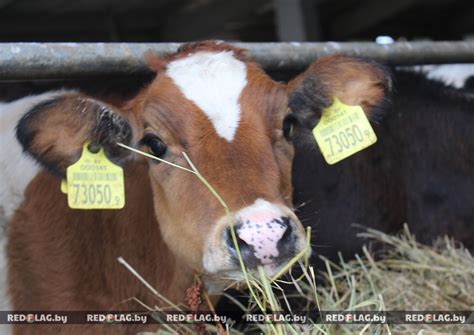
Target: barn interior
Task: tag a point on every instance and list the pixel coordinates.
(234, 20)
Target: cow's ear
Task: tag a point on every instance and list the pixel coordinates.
(355, 81)
(54, 131)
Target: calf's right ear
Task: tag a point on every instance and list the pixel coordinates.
(355, 81)
(54, 131)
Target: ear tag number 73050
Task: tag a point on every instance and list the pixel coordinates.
(343, 131)
(94, 182)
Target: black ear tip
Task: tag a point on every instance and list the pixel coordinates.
(24, 134)
(25, 127)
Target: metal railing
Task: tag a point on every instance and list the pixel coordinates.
(68, 60)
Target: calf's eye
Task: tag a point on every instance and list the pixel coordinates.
(288, 124)
(156, 146)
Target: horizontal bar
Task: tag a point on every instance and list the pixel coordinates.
(67, 60)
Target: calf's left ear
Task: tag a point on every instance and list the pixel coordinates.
(54, 131)
(355, 81)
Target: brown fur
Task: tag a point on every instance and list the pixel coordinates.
(66, 259)
(355, 82)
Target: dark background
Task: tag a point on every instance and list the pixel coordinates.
(235, 20)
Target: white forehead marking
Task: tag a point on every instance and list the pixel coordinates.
(213, 81)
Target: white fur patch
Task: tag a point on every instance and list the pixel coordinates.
(16, 168)
(214, 82)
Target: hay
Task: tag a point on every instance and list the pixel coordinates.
(403, 276)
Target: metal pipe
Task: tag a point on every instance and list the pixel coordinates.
(68, 60)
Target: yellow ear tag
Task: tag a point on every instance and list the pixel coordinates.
(94, 182)
(64, 186)
(342, 131)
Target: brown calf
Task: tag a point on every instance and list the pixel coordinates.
(234, 123)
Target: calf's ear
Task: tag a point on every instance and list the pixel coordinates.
(54, 131)
(355, 81)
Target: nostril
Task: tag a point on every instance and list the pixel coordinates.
(241, 243)
(287, 235)
(285, 245)
(246, 249)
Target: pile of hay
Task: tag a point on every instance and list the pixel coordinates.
(403, 276)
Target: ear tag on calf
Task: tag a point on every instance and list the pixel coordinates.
(342, 131)
(64, 186)
(94, 182)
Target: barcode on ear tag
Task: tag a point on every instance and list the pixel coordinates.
(94, 182)
(343, 131)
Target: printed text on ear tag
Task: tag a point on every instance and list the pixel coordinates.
(94, 182)
(342, 131)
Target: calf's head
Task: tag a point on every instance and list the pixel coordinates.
(236, 126)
